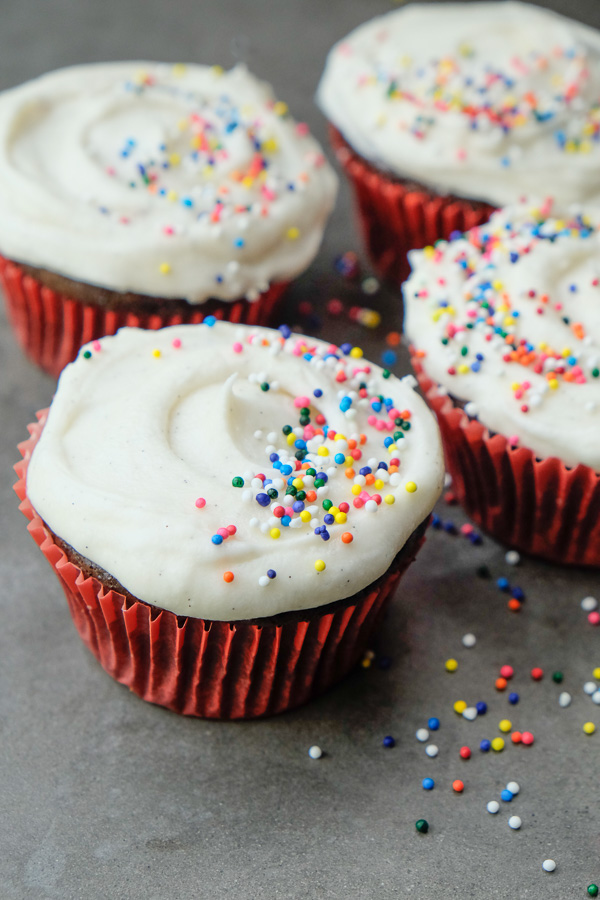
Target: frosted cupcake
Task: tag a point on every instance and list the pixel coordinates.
(441, 112)
(229, 529)
(505, 331)
(149, 194)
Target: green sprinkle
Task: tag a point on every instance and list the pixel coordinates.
(237, 481)
(557, 677)
(422, 826)
(327, 504)
(386, 373)
(87, 354)
(265, 386)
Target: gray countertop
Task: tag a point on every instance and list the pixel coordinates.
(105, 796)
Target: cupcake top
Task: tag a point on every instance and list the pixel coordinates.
(491, 101)
(162, 180)
(507, 319)
(230, 473)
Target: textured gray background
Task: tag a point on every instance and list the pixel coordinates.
(104, 796)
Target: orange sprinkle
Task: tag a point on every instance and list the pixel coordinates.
(500, 684)
(228, 577)
(311, 496)
(347, 537)
(370, 479)
(514, 605)
(349, 473)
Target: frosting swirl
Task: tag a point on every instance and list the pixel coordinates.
(241, 473)
(170, 181)
(497, 101)
(507, 318)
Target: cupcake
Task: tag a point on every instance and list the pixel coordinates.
(229, 528)
(442, 112)
(504, 325)
(149, 194)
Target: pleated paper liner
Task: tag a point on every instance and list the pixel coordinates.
(539, 506)
(51, 327)
(221, 670)
(397, 216)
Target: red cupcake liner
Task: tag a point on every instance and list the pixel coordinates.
(539, 506)
(397, 216)
(51, 327)
(220, 670)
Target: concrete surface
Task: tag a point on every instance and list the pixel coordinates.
(104, 797)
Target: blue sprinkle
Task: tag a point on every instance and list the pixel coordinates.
(300, 444)
(339, 458)
(364, 471)
(428, 784)
(286, 470)
(329, 519)
(285, 331)
(210, 321)
(187, 201)
(274, 457)
(485, 746)
(325, 534)
(481, 708)
(518, 593)
(298, 506)
(217, 539)
(271, 573)
(238, 242)
(436, 522)
(318, 392)
(285, 521)
(506, 795)
(388, 357)
(345, 348)
(513, 698)
(263, 499)
(433, 724)
(389, 741)
(503, 584)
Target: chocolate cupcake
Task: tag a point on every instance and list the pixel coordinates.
(229, 528)
(504, 325)
(149, 194)
(442, 112)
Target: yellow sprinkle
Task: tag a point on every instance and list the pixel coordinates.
(293, 233)
(505, 725)
(410, 487)
(371, 318)
(379, 484)
(274, 532)
(291, 438)
(172, 196)
(428, 252)
(596, 673)
(164, 268)
(543, 345)
(156, 353)
(340, 518)
(217, 71)
(179, 70)
(305, 515)
(498, 744)
(389, 499)
(320, 565)
(566, 351)
(349, 462)
(515, 386)
(280, 108)
(322, 451)
(174, 159)
(497, 285)
(452, 666)
(589, 728)
(392, 447)
(356, 353)
(340, 437)
(509, 321)
(270, 145)
(247, 181)
(298, 483)
(459, 707)
(463, 369)
(356, 489)
(366, 663)
(553, 383)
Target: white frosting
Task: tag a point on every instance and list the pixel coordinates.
(492, 101)
(532, 279)
(133, 439)
(151, 178)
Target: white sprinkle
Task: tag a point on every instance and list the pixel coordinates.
(596, 697)
(431, 750)
(512, 558)
(564, 699)
(371, 506)
(548, 865)
(513, 787)
(447, 480)
(514, 822)
(470, 713)
(258, 434)
(395, 479)
(493, 807)
(272, 437)
(471, 410)
(370, 285)
(422, 734)
(590, 687)
(247, 496)
(469, 640)
(315, 752)
(589, 604)
(264, 580)
(253, 522)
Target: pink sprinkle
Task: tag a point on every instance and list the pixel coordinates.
(237, 347)
(289, 511)
(223, 532)
(168, 229)
(97, 346)
(302, 129)
(466, 529)
(110, 170)
(514, 440)
(594, 618)
(176, 343)
(200, 503)
(231, 529)
(358, 504)
(372, 421)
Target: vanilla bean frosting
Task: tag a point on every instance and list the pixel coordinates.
(489, 100)
(228, 472)
(170, 181)
(506, 318)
